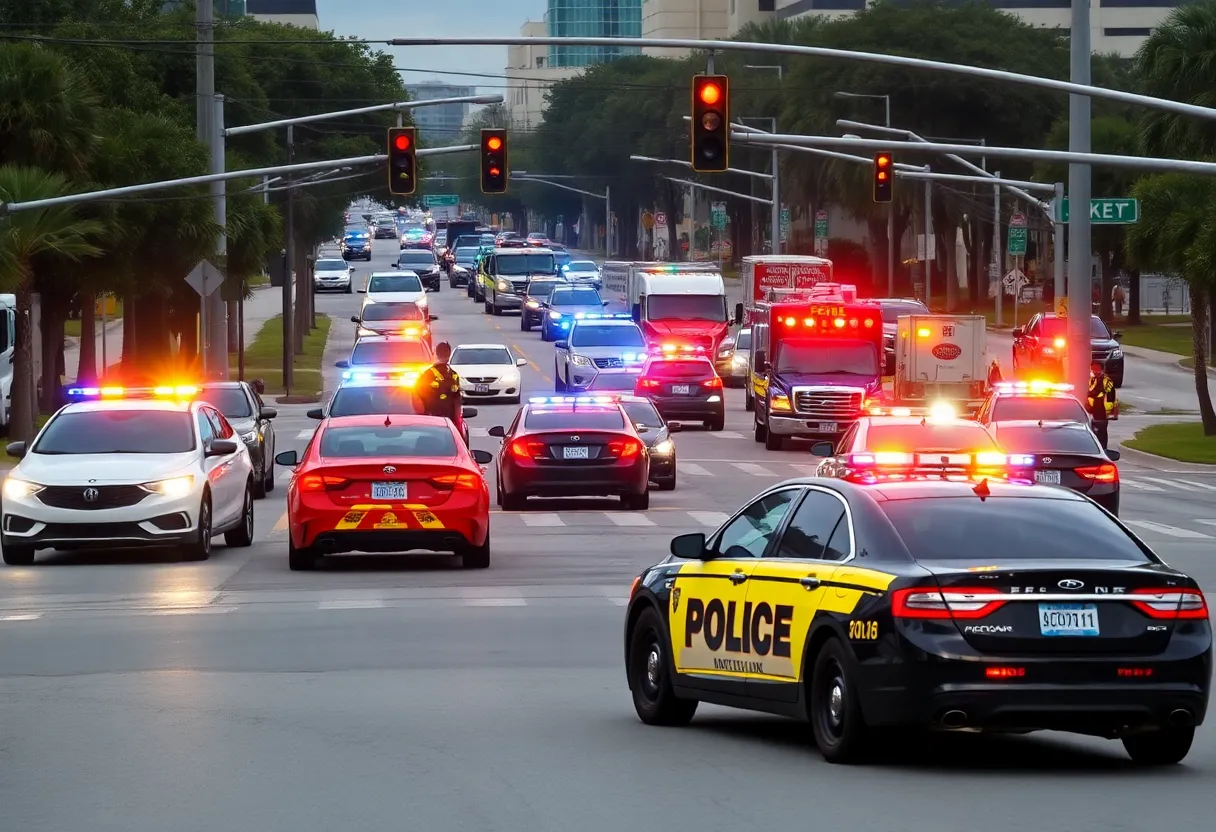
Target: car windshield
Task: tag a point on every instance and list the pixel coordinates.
(390, 352)
(581, 266)
(469, 356)
(387, 222)
(696, 368)
(412, 226)
(571, 419)
(391, 442)
(231, 401)
(118, 432)
(466, 255)
(1009, 528)
(541, 288)
(891, 312)
(575, 297)
(1058, 328)
(643, 413)
(332, 266)
(394, 283)
(852, 358)
(929, 438)
(521, 264)
(1064, 438)
(686, 308)
(596, 335)
(393, 312)
(614, 382)
(356, 235)
(416, 258)
(1033, 408)
(371, 401)
(744, 340)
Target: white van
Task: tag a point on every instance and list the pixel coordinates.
(8, 342)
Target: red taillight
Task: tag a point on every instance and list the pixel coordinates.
(1004, 672)
(523, 449)
(648, 383)
(1134, 672)
(1170, 604)
(956, 602)
(624, 448)
(321, 482)
(714, 383)
(1099, 473)
(458, 481)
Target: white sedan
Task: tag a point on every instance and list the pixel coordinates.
(332, 274)
(395, 287)
(488, 371)
(120, 468)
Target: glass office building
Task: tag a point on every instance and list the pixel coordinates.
(592, 18)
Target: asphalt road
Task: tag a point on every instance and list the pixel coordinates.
(138, 693)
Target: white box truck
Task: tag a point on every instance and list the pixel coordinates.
(941, 357)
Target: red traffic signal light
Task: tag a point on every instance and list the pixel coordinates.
(883, 170)
(711, 94)
(402, 142)
(494, 160)
(710, 128)
(402, 162)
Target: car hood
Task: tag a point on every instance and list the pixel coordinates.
(831, 380)
(78, 469)
(331, 273)
(485, 370)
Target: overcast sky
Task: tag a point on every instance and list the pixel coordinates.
(475, 18)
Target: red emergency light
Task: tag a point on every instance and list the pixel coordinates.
(826, 324)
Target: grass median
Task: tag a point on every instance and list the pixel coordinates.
(1183, 441)
(264, 358)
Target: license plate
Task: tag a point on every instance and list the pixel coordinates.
(681, 389)
(1047, 477)
(388, 491)
(576, 452)
(481, 388)
(1068, 619)
(827, 427)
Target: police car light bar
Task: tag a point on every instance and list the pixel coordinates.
(573, 400)
(183, 391)
(602, 316)
(677, 350)
(1032, 387)
(403, 376)
(982, 459)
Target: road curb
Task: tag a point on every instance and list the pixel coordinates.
(1154, 461)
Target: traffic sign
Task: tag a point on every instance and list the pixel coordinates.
(785, 225)
(1118, 210)
(647, 220)
(718, 214)
(1061, 307)
(821, 224)
(204, 278)
(436, 200)
(1017, 235)
(660, 219)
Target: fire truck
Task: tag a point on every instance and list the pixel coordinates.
(816, 366)
(768, 278)
(673, 303)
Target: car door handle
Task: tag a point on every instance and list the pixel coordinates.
(810, 582)
(738, 577)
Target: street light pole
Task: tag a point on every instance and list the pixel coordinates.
(1079, 181)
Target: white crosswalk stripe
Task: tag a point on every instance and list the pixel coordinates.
(1207, 522)
(630, 519)
(713, 519)
(1141, 486)
(692, 469)
(481, 433)
(305, 435)
(726, 434)
(1172, 531)
(753, 469)
(805, 470)
(1171, 483)
(541, 520)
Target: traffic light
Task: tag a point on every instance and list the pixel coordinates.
(710, 123)
(493, 160)
(402, 161)
(884, 173)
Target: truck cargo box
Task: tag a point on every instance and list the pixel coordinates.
(940, 357)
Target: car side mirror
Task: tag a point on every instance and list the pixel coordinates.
(269, 412)
(823, 449)
(288, 459)
(342, 365)
(1117, 334)
(1113, 455)
(674, 427)
(361, 291)
(521, 362)
(354, 319)
(498, 432)
(1019, 331)
(316, 413)
(433, 317)
(603, 303)
(738, 313)
(561, 345)
(221, 447)
(468, 412)
(483, 457)
(689, 546)
(395, 265)
(15, 449)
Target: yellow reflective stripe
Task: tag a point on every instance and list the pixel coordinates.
(428, 520)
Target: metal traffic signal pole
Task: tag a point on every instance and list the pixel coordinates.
(1080, 244)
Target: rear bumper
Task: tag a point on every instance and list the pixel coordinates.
(441, 530)
(505, 301)
(553, 481)
(689, 408)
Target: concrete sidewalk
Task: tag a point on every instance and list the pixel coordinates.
(265, 303)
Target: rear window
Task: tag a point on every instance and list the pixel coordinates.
(390, 352)
(395, 283)
(231, 401)
(744, 341)
(576, 297)
(331, 266)
(929, 438)
(541, 288)
(1033, 408)
(643, 413)
(118, 432)
(1058, 328)
(411, 441)
(393, 312)
(599, 419)
(1047, 440)
(680, 369)
(421, 259)
(892, 312)
(1008, 528)
(372, 401)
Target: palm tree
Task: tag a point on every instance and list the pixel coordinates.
(24, 235)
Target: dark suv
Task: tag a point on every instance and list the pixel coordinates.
(536, 301)
(1042, 344)
(423, 263)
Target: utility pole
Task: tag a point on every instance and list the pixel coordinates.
(996, 252)
(928, 243)
(289, 267)
(204, 102)
(1080, 245)
(1058, 249)
(217, 309)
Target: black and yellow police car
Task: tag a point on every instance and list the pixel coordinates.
(944, 603)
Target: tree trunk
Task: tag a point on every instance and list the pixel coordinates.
(303, 285)
(21, 424)
(951, 267)
(86, 370)
(1133, 299)
(233, 328)
(130, 313)
(1200, 322)
(52, 347)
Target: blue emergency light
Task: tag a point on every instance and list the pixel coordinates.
(603, 316)
(181, 391)
(572, 400)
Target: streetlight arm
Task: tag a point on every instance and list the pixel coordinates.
(518, 178)
(377, 108)
(754, 173)
(692, 184)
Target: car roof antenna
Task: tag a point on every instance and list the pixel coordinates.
(982, 490)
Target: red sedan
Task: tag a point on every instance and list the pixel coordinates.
(387, 484)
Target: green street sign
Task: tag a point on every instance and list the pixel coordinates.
(1017, 235)
(718, 215)
(785, 225)
(440, 200)
(1117, 210)
(821, 225)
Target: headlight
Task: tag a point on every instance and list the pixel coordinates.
(503, 286)
(533, 305)
(779, 402)
(555, 316)
(663, 448)
(15, 489)
(724, 353)
(175, 487)
(739, 360)
(581, 360)
(252, 436)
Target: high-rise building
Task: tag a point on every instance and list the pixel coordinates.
(684, 19)
(302, 13)
(592, 18)
(529, 76)
(443, 123)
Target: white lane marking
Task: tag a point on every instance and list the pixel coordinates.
(620, 602)
(804, 470)
(1207, 522)
(692, 469)
(629, 519)
(1202, 485)
(753, 469)
(25, 616)
(726, 434)
(1142, 486)
(352, 604)
(480, 433)
(1172, 531)
(281, 525)
(713, 519)
(306, 434)
(1171, 483)
(541, 520)
(494, 602)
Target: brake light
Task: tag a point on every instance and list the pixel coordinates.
(624, 448)
(714, 383)
(648, 383)
(322, 482)
(457, 481)
(1059, 343)
(523, 449)
(1172, 604)
(1134, 672)
(1004, 672)
(1099, 473)
(956, 602)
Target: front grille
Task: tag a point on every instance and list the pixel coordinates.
(1100, 355)
(608, 363)
(827, 404)
(479, 380)
(107, 496)
(92, 531)
(519, 286)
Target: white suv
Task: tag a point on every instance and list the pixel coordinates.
(596, 342)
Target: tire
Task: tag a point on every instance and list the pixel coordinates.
(259, 480)
(717, 423)
(524, 324)
(200, 549)
(544, 333)
(495, 310)
(268, 485)
(19, 555)
(773, 442)
(451, 283)
(513, 502)
(498, 494)
(749, 404)
(476, 557)
(667, 485)
(349, 289)
(649, 674)
(636, 502)
(759, 432)
(487, 308)
(242, 535)
(834, 707)
(1164, 747)
(300, 560)
(559, 386)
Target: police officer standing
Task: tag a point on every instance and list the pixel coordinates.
(438, 388)
(1101, 401)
